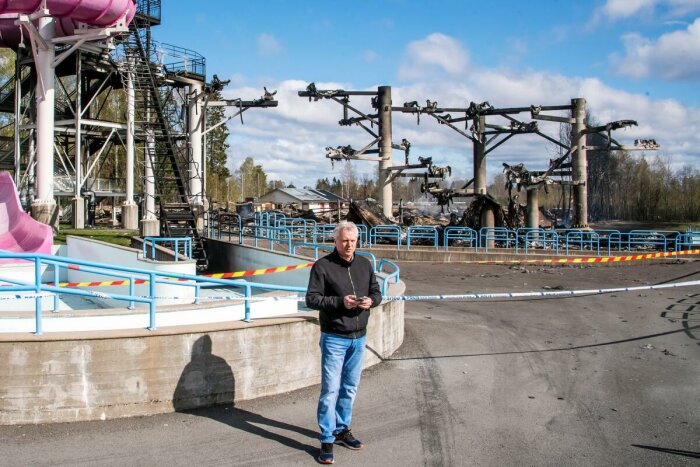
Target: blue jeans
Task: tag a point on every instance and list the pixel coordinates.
(341, 367)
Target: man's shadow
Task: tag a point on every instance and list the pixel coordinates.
(207, 388)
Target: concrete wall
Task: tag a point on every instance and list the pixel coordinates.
(98, 376)
(230, 257)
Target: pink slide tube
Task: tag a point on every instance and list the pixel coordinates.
(19, 233)
(67, 14)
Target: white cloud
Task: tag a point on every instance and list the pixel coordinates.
(674, 56)
(617, 10)
(268, 45)
(436, 53)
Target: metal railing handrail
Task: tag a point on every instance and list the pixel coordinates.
(153, 277)
(393, 275)
(561, 241)
(385, 231)
(422, 232)
(187, 245)
(497, 234)
(459, 234)
(317, 246)
(271, 238)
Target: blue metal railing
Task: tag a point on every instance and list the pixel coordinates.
(385, 232)
(131, 274)
(323, 233)
(300, 227)
(229, 223)
(186, 243)
(507, 237)
(421, 232)
(524, 240)
(652, 238)
(465, 234)
(544, 239)
(393, 275)
(271, 234)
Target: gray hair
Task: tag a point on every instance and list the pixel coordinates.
(345, 225)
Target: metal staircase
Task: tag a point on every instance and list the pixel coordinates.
(157, 117)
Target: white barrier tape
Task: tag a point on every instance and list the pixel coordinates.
(554, 293)
(22, 297)
(394, 298)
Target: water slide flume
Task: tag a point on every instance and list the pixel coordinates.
(69, 16)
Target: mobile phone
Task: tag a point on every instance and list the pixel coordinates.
(359, 299)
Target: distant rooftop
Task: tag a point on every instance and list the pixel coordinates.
(311, 195)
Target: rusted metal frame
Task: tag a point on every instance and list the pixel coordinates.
(449, 124)
(403, 167)
(347, 105)
(552, 118)
(335, 92)
(487, 151)
(415, 175)
(517, 110)
(558, 162)
(366, 148)
(552, 140)
(367, 129)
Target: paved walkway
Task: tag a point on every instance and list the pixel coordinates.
(598, 380)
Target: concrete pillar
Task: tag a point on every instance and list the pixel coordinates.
(488, 219)
(150, 226)
(479, 156)
(533, 208)
(385, 149)
(44, 208)
(194, 130)
(129, 208)
(580, 164)
(149, 180)
(78, 219)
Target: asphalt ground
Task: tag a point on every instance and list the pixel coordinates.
(609, 379)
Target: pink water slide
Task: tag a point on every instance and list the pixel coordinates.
(19, 233)
(67, 14)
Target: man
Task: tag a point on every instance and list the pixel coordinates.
(343, 288)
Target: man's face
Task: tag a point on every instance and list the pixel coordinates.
(346, 243)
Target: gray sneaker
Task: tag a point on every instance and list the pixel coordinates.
(346, 438)
(326, 454)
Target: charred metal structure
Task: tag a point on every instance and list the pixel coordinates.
(381, 104)
(486, 136)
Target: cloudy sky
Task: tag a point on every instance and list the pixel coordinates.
(630, 59)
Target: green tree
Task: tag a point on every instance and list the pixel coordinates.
(217, 150)
(253, 178)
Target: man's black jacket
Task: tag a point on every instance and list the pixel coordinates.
(332, 278)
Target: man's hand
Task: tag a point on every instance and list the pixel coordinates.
(351, 301)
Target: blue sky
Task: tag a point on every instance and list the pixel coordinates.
(637, 59)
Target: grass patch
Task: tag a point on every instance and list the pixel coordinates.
(115, 236)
